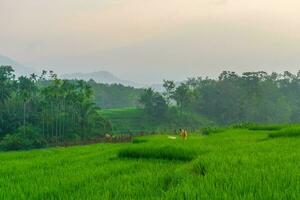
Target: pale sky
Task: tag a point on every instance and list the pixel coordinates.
(149, 40)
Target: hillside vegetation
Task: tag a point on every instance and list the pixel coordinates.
(136, 120)
(256, 97)
(39, 110)
(232, 164)
(115, 95)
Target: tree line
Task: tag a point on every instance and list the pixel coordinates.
(255, 97)
(44, 109)
(38, 110)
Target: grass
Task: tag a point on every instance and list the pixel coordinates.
(233, 164)
(287, 132)
(212, 130)
(167, 152)
(128, 120)
(265, 127)
(135, 121)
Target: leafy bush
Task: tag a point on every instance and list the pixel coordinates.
(26, 137)
(14, 142)
(287, 132)
(163, 152)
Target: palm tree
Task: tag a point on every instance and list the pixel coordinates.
(6, 79)
(26, 91)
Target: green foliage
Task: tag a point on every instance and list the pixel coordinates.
(255, 97)
(265, 127)
(128, 120)
(115, 95)
(26, 137)
(14, 142)
(237, 165)
(6, 83)
(286, 132)
(169, 87)
(139, 140)
(166, 152)
(182, 95)
(243, 125)
(48, 107)
(155, 106)
(134, 120)
(199, 168)
(211, 130)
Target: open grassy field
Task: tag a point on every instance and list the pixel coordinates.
(233, 164)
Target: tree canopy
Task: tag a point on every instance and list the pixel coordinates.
(55, 109)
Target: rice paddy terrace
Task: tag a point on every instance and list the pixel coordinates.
(261, 163)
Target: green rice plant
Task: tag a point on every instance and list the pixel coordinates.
(166, 152)
(139, 140)
(199, 168)
(265, 127)
(212, 130)
(287, 132)
(237, 165)
(242, 125)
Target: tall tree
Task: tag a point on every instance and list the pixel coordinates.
(154, 104)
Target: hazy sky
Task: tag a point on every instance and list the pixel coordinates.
(148, 40)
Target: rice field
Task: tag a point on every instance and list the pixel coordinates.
(232, 164)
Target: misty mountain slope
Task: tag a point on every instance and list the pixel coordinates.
(19, 69)
(102, 77)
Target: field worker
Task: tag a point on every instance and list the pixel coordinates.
(181, 132)
(185, 134)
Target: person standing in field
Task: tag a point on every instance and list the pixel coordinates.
(183, 134)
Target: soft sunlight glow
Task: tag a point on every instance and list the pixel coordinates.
(134, 38)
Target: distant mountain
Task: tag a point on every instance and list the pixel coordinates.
(19, 69)
(103, 77)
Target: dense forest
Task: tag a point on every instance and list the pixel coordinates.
(43, 109)
(255, 97)
(40, 110)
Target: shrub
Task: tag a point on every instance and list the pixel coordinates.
(26, 137)
(14, 142)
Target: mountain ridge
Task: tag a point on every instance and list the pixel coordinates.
(19, 68)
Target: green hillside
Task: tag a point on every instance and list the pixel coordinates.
(115, 95)
(234, 164)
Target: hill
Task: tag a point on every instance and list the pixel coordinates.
(19, 69)
(115, 95)
(106, 77)
(102, 77)
(234, 164)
